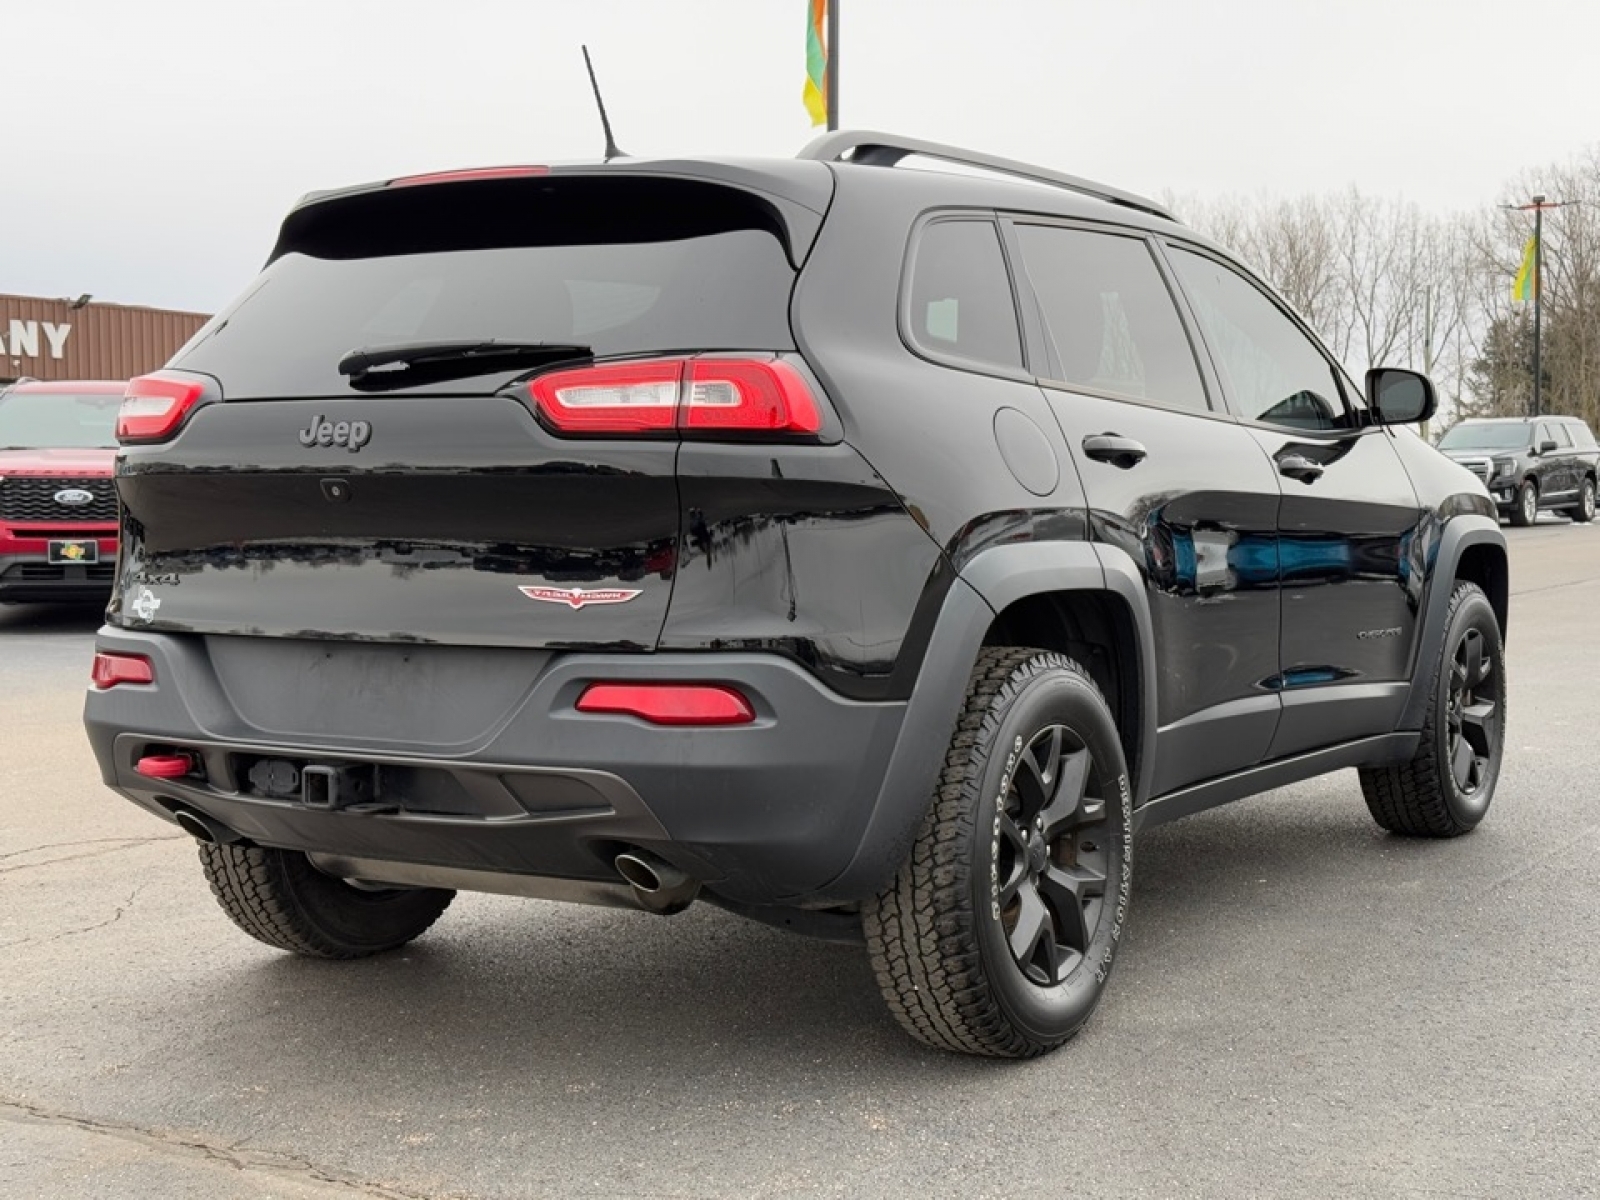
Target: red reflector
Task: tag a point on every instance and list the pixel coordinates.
(694, 395)
(470, 173)
(112, 669)
(165, 766)
(155, 405)
(669, 703)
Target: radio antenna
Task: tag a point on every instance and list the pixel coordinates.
(612, 149)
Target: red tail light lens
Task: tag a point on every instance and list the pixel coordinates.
(690, 395)
(154, 406)
(669, 703)
(740, 394)
(112, 669)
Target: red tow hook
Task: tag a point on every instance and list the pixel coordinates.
(167, 766)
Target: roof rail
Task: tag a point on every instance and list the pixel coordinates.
(886, 149)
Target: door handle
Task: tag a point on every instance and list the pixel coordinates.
(1298, 466)
(1115, 449)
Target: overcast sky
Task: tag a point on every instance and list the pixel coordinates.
(150, 147)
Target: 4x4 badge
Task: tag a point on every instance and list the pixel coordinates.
(578, 597)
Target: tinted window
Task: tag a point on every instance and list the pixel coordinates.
(53, 420)
(626, 268)
(961, 300)
(1273, 371)
(1109, 316)
(1467, 436)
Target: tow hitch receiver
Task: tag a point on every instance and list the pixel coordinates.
(316, 785)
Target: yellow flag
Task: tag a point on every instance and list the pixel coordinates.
(815, 92)
(1527, 285)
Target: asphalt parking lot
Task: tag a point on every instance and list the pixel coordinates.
(1305, 1006)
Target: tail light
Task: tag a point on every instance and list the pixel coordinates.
(669, 703)
(155, 406)
(111, 669)
(706, 396)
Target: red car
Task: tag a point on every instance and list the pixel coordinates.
(58, 508)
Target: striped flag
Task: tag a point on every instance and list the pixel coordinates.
(816, 89)
(1527, 285)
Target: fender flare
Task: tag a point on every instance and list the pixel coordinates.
(1460, 534)
(987, 585)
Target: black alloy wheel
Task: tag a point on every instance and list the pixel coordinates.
(1053, 856)
(1444, 789)
(998, 934)
(1473, 713)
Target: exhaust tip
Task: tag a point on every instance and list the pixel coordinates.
(657, 885)
(639, 872)
(203, 828)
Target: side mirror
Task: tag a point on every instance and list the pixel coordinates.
(1399, 397)
(1547, 447)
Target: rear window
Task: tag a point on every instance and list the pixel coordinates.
(57, 421)
(622, 266)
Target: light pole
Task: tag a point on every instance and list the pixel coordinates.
(1538, 205)
(1426, 295)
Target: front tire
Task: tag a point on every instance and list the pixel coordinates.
(1525, 509)
(278, 897)
(998, 933)
(1583, 511)
(1446, 787)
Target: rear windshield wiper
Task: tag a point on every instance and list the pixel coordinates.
(411, 363)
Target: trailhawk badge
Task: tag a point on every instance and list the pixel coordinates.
(578, 597)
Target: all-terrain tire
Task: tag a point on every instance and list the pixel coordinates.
(1583, 511)
(1446, 787)
(279, 898)
(1525, 508)
(999, 931)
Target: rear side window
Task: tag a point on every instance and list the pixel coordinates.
(1110, 318)
(1582, 438)
(622, 266)
(961, 304)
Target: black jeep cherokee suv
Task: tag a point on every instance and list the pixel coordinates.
(868, 550)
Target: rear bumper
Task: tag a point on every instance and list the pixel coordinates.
(767, 813)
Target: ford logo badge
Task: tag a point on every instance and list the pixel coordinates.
(74, 497)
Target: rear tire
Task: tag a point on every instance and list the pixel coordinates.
(1446, 787)
(998, 933)
(278, 897)
(1583, 511)
(1525, 508)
